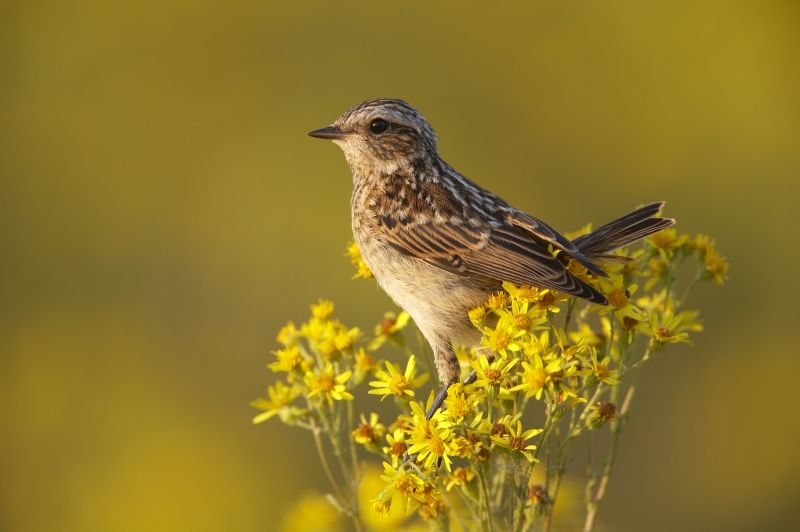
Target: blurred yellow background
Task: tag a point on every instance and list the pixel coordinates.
(163, 213)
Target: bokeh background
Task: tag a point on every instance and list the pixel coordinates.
(162, 213)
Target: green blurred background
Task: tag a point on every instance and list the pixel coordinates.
(163, 213)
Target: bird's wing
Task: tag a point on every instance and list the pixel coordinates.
(498, 251)
(528, 223)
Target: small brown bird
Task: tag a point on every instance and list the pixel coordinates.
(439, 244)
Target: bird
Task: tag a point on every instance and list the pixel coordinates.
(439, 244)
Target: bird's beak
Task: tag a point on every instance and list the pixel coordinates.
(330, 132)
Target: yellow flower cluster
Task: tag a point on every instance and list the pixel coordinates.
(574, 362)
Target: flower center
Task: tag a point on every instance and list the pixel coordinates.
(497, 301)
(538, 378)
(522, 321)
(399, 385)
(404, 485)
(499, 430)
(365, 432)
(398, 448)
(459, 407)
(547, 300)
(629, 323)
(437, 445)
(492, 374)
(386, 325)
(516, 443)
(326, 383)
(500, 340)
(617, 298)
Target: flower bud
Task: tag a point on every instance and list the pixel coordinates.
(600, 414)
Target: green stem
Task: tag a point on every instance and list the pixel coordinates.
(468, 502)
(353, 454)
(351, 502)
(485, 500)
(698, 276)
(327, 469)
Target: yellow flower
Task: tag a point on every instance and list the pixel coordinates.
(585, 333)
(497, 301)
(503, 337)
(461, 477)
(460, 402)
(470, 446)
(478, 316)
(542, 299)
(365, 364)
(653, 302)
(389, 329)
(537, 344)
(657, 270)
(289, 359)
(322, 309)
(327, 385)
(716, 266)
(369, 433)
(397, 446)
(619, 297)
(515, 440)
(522, 293)
(667, 328)
(600, 370)
(280, 399)
(600, 414)
(429, 438)
(701, 243)
(524, 316)
(381, 506)
(536, 376)
(492, 375)
(362, 270)
(580, 271)
(571, 352)
(343, 339)
(392, 382)
(667, 239)
(402, 481)
(329, 337)
(288, 334)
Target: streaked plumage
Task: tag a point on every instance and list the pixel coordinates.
(438, 243)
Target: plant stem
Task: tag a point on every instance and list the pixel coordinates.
(485, 499)
(594, 502)
(353, 454)
(327, 468)
(350, 502)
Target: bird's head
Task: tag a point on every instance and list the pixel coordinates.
(380, 136)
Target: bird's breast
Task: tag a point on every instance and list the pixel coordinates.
(437, 300)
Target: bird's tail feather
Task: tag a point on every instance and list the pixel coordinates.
(629, 228)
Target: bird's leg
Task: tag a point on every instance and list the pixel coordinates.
(447, 367)
(449, 370)
(438, 401)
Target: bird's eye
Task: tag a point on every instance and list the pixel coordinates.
(378, 126)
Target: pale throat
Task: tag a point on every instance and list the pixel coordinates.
(365, 166)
